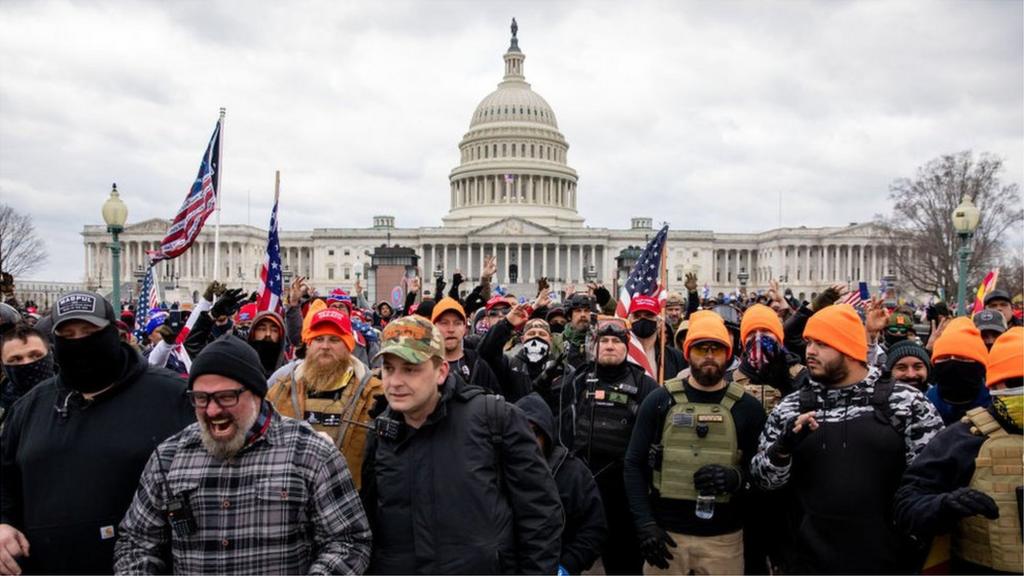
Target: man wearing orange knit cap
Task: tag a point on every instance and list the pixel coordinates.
(330, 388)
(967, 482)
(842, 443)
(958, 371)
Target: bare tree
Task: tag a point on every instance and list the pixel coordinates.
(920, 229)
(1011, 275)
(21, 250)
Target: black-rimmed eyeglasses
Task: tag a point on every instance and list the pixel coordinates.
(223, 398)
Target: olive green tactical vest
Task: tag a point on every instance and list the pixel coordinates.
(998, 471)
(695, 435)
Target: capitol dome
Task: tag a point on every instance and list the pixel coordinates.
(513, 155)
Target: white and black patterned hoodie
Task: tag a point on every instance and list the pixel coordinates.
(913, 416)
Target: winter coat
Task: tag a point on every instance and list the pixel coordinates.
(514, 384)
(70, 466)
(465, 493)
(585, 529)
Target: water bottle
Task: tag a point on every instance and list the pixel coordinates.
(705, 508)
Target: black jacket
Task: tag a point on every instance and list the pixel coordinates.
(69, 475)
(437, 503)
(514, 384)
(585, 530)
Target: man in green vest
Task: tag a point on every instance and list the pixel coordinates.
(688, 459)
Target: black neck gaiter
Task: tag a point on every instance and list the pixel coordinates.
(92, 363)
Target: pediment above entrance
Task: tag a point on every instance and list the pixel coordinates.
(513, 226)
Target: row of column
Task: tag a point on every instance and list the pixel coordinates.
(558, 262)
(831, 263)
(513, 189)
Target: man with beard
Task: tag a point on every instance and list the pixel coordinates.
(842, 443)
(909, 363)
(268, 339)
(597, 412)
(958, 361)
(74, 446)
(242, 490)
(645, 322)
(690, 450)
(330, 388)
(675, 308)
(967, 481)
(574, 336)
(27, 361)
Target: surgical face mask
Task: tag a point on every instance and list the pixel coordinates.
(536, 350)
(959, 381)
(644, 327)
(25, 376)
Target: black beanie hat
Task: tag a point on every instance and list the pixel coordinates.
(905, 348)
(231, 357)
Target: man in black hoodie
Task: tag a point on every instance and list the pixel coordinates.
(74, 446)
(585, 529)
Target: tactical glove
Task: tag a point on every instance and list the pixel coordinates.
(439, 285)
(717, 480)
(964, 502)
(227, 304)
(213, 289)
(654, 543)
(789, 440)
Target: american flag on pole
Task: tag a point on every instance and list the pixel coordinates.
(198, 205)
(857, 297)
(271, 284)
(643, 279)
(148, 300)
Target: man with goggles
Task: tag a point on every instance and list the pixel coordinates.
(598, 411)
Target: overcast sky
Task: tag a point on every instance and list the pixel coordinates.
(700, 114)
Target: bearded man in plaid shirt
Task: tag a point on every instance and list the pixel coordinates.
(243, 490)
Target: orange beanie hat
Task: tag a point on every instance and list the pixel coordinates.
(1006, 358)
(961, 338)
(760, 317)
(839, 327)
(706, 325)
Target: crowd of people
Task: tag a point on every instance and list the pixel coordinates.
(477, 431)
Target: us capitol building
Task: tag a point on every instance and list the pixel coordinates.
(513, 195)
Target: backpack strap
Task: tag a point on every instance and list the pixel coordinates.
(880, 403)
(808, 400)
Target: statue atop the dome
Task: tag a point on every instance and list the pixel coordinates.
(515, 28)
(514, 45)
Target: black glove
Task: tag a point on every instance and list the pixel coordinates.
(213, 289)
(964, 502)
(602, 295)
(654, 543)
(457, 279)
(717, 480)
(439, 288)
(788, 440)
(825, 298)
(227, 304)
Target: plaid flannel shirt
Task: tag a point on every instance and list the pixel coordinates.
(285, 504)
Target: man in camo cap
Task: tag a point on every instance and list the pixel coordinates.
(453, 470)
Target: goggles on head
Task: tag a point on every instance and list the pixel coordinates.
(612, 326)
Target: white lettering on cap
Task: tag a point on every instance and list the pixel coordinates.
(76, 303)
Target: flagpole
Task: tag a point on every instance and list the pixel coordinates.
(220, 186)
(664, 278)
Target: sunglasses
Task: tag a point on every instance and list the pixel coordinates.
(707, 349)
(223, 398)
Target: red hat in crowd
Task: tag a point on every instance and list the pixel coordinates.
(246, 313)
(498, 300)
(330, 321)
(643, 303)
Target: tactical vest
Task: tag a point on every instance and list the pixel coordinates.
(767, 395)
(605, 418)
(998, 470)
(695, 434)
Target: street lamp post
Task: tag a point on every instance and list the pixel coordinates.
(115, 214)
(965, 222)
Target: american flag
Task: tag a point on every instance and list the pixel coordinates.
(643, 279)
(857, 297)
(198, 205)
(148, 300)
(271, 285)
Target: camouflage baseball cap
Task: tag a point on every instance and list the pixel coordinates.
(413, 339)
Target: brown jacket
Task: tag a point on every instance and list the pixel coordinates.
(328, 413)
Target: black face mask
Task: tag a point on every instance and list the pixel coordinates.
(557, 328)
(92, 363)
(269, 352)
(25, 376)
(959, 382)
(644, 328)
(892, 339)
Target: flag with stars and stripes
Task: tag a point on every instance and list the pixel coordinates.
(643, 279)
(148, 300)
(858, 297)
(271, 283)
(197, 207)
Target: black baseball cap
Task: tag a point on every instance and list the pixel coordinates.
(86, 306)
(997, 295)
